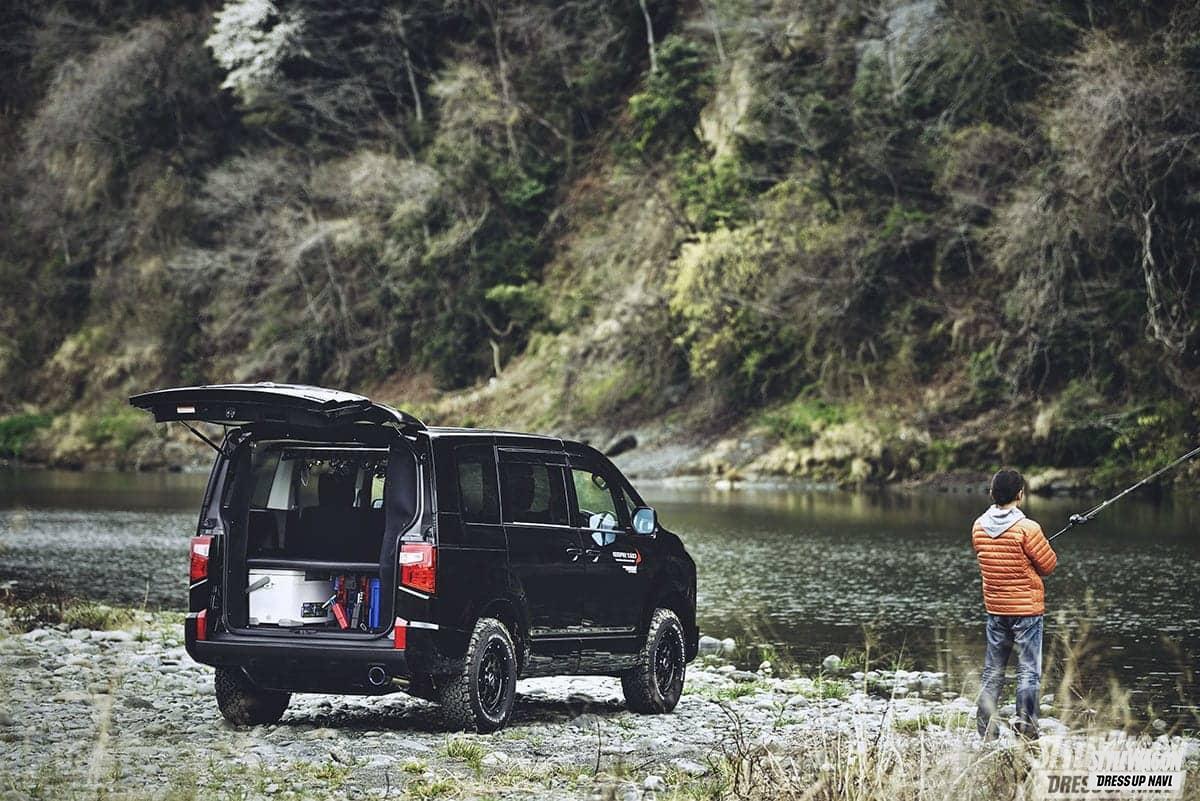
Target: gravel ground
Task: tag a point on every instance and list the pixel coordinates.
(126, 713)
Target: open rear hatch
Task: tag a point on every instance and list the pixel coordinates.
(315, 495)
(289, 404)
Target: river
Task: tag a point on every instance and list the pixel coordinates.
(888, 574)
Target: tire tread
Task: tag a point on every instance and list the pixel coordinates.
(244, 704)
(638, 683)
(454, 691)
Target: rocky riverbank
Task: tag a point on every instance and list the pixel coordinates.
(125, 713)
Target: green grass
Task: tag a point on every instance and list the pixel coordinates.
(425, 789)
(97, 617)
(730, 692)
(946, 720)
(830, 688)
(469, 752)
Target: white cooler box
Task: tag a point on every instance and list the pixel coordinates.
(286, 598)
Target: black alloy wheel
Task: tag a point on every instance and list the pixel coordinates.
(655, 685)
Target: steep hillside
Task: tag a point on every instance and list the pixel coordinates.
(852, 241)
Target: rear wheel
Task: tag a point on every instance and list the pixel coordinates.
(480, 698)
(243, 703)
(654, 686)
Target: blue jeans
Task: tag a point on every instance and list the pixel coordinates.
(1003, 633)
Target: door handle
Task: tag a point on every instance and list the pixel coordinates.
(574, 553)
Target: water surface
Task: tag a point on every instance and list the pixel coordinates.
(811, 573)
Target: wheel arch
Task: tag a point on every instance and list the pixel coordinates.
(511, 612)
(675, 598)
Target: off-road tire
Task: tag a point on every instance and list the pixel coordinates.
(243, 703)
(654, 686)
(480, 698)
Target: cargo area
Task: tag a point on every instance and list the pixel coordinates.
(311, 544)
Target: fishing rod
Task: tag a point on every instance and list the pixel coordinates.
(1079, 520)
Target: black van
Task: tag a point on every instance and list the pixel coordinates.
(345, 547)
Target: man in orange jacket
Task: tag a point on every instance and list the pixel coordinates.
(1014, 555)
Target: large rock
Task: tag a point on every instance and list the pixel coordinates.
(831, 663)
(622, 443)
(710, 646)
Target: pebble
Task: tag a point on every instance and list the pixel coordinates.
(156, 686)
(80, 634)
(587, 721)
(689, 767)
(112, 636)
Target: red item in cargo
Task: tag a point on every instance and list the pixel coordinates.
(340, 614)
(400, 634)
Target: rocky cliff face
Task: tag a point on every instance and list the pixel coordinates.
(885, 240)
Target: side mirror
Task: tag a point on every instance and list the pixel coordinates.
(645, 520)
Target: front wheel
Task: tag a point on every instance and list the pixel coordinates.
(244, 703)
(654, 686)
(480, 698)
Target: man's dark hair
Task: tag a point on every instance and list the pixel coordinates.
(1006, 486)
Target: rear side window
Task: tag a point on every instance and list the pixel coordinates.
(533, 493)
(479, 501)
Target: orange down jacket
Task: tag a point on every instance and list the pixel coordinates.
(1012, 565)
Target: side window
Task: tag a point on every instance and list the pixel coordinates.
(596, 506)
(533, 493)
(479, 501)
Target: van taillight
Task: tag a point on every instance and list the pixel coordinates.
(198, 570)
(418, 566)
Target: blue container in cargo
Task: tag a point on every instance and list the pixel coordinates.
(373, 619)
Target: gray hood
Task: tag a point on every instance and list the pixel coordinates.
(995, 521)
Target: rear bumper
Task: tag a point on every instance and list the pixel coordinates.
(315, 664)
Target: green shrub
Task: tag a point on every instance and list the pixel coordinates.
(665, 112)
(713, 192)
(983, 370)
(17, 430)
(801, 420)
(119, 428)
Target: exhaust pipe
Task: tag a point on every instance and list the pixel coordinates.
(377, 676)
